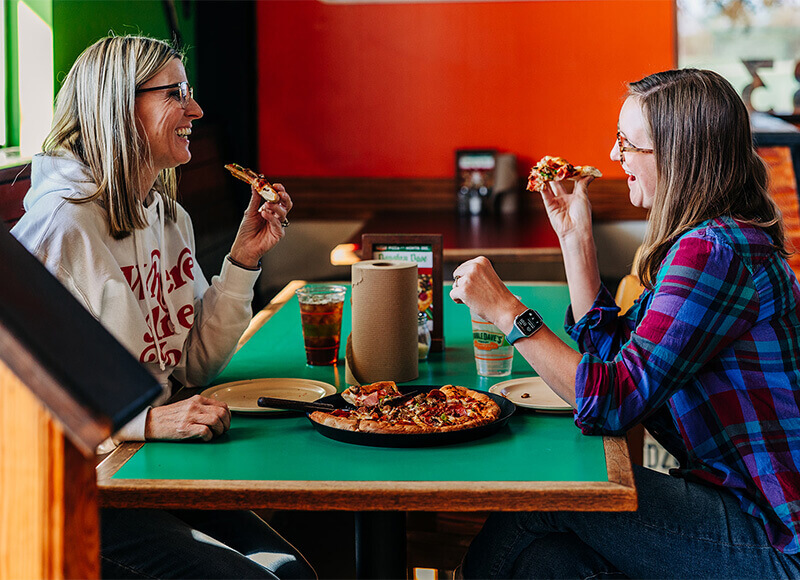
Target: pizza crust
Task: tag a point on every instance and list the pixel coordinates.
(345, 423)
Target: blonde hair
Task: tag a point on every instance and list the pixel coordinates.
(706, 165)
(94, 121)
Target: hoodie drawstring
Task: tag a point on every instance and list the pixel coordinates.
(173, 316)
(142, 259)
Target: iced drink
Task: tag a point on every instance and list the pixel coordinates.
(321, 315)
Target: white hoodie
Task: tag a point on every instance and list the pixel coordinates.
(147, 284)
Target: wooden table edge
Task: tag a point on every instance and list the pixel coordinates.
(616, 494)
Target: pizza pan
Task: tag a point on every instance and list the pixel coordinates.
(507, 409)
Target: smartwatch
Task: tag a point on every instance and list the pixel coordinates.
(525, 325)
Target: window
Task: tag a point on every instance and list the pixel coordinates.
(35, 53)
(755, 44)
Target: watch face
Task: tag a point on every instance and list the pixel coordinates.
(528, 322)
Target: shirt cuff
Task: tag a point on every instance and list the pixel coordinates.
(604, 310)
(237, 281)
(133, 430)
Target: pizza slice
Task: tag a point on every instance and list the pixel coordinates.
(557, 169)
(262, 186)
(370, 395)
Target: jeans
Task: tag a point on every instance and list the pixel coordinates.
(143, 543)
(681, 530)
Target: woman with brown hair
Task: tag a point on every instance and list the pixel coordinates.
(708, 358)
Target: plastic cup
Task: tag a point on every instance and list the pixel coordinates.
(321, 314)
(493, 354)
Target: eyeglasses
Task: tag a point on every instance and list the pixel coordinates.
(182, 95)
(628, 148)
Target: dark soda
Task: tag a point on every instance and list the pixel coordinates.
(322, 325)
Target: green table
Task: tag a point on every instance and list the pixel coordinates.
(537, 462)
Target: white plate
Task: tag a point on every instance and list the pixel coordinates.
(539, 395)
(242, 396)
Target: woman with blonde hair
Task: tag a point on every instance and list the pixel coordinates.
(708, 358)
(102, 216)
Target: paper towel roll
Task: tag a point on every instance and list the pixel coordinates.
(383, 343)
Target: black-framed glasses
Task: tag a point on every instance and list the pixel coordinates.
(183, 94)
(628, 148)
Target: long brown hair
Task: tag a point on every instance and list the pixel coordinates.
(706, 164)
(95, 122)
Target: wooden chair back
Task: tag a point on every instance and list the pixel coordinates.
(783, 187)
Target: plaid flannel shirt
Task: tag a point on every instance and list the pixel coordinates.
(709, 361)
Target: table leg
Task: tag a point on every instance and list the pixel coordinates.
(380, 545)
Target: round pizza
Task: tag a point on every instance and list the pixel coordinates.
(449, 408)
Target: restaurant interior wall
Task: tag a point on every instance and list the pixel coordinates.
(377, 89)
(352, 93)
(78, 23)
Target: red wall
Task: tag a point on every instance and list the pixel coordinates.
(391, 90)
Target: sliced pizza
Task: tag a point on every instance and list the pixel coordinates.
(439, 410)
(261, 185)
(557, 169)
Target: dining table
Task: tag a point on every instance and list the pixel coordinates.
(536, 461)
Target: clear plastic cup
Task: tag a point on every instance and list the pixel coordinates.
(321, 314)
(493, 353)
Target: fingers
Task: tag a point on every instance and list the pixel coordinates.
(278, 208)
(195, 418)
(208, 415)
(469, 277)
(557, 187)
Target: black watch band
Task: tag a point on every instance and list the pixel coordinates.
(526, 324)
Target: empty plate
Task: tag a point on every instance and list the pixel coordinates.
(531, 392)
(242, 396)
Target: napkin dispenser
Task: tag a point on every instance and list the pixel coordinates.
(486, 182)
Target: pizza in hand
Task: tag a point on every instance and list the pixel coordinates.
(261, 185)
(556, 169)
(449, 408)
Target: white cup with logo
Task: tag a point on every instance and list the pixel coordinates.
(493, 353)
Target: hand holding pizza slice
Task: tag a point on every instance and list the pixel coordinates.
(261, 185)
(557, 169)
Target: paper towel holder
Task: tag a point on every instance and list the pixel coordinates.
(426, 251)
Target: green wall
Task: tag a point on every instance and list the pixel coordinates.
(78, 23)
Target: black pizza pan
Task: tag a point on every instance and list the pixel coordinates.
(507, 409)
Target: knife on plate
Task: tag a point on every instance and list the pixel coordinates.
(292, 405)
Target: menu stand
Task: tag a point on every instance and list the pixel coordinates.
(65, 385)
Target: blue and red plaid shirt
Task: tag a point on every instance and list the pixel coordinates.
(709, 361)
